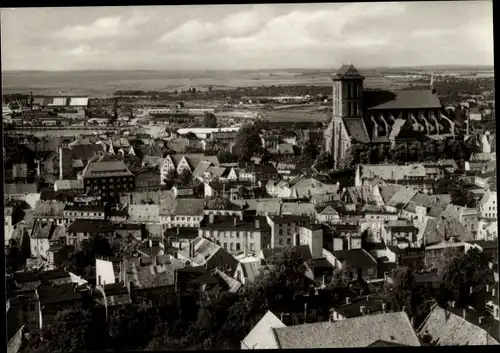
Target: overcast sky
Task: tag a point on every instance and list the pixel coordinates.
(248, 36)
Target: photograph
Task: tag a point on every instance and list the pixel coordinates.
(249, 176)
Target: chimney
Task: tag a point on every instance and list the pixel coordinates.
(211, 218)
(235, 221)
(384, 307)
(324, 280)
(404, 308)
(281, 317)
(471, 290)
(481, 319)
(493, 292)
(257, 224)
(487, 288)
(412, 321)
(453, 304)
(150, 243)
(362, 309)
(464, 312)
(60, 163)
(348, 300)
(177, 230)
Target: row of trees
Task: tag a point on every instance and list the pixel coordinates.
(235, 93)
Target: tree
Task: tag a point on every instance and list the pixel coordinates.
(81, 261)
(14, 258)
(226, 157)
(310, 150)
(131, 327)
(456, 187)
(184, 177)
(73, 330)
(209, 120)
(463, 272)
(248, 142)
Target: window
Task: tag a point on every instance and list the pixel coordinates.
(225, 246)
(252, 246)
(288, 241)
(231, 246)
(238, 246)
(280, 241)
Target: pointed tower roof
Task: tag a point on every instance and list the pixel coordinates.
(347, 72)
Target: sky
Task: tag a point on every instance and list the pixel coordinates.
(248, 37)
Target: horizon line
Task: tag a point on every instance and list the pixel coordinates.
(259, 69)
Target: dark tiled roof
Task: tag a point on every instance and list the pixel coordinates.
(357, 129)
(91, 226)
(372, 306)
(59, 293)
(347, 72)
(12, 189)
(418, 99)
(357, 258)
(102, 169)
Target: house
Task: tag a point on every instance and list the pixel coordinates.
(271, 141)
(57, 254)
(32, 280)
(488, 205)
(285, 229)
(283, 149)
(183, 212)
(50, 211)
(53, 299)
(290, 169)
(184, 163)
(396, 232)
(82, 229)
(111, 297)
(203, 252)
(143, 214)
(366, 305)
(449, 327)
(363, 331)
(259, 172)
(41, 238)
(358, 262)
(72, 213)
(327, 214)
(237, 234)
(388, 172)
(469, 217)
(147, 178)
(262, 335)
(25, 192)
(293, 207)
(152, 279)
(247, 271)
(69, 184)
(107, 178)
(183, 191)
(302, 187)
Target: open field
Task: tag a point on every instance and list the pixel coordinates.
(312, 113)
(104, 83)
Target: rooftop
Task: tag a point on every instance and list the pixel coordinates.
(361, 331)
(412, 99)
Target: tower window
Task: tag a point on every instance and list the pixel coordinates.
(353, 93)
(349, 91)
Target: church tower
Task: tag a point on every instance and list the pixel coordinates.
(347, 105)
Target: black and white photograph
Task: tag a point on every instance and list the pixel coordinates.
(249, 176)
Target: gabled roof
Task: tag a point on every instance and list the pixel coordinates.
(250, 269)
(349, 333)
(402, 197)
(262, 336)
(411, 99)
(189, 207)
(347, 72)
(445, 328)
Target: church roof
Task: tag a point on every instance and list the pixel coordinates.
(418, 99)
(347, 71)
(356, 129)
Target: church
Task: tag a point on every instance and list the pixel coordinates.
(361, 116)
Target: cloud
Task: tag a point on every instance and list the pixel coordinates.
(257, 31)
(82, 50)
(101, 28)
(430, 33)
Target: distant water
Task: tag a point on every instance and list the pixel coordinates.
(103, 83)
